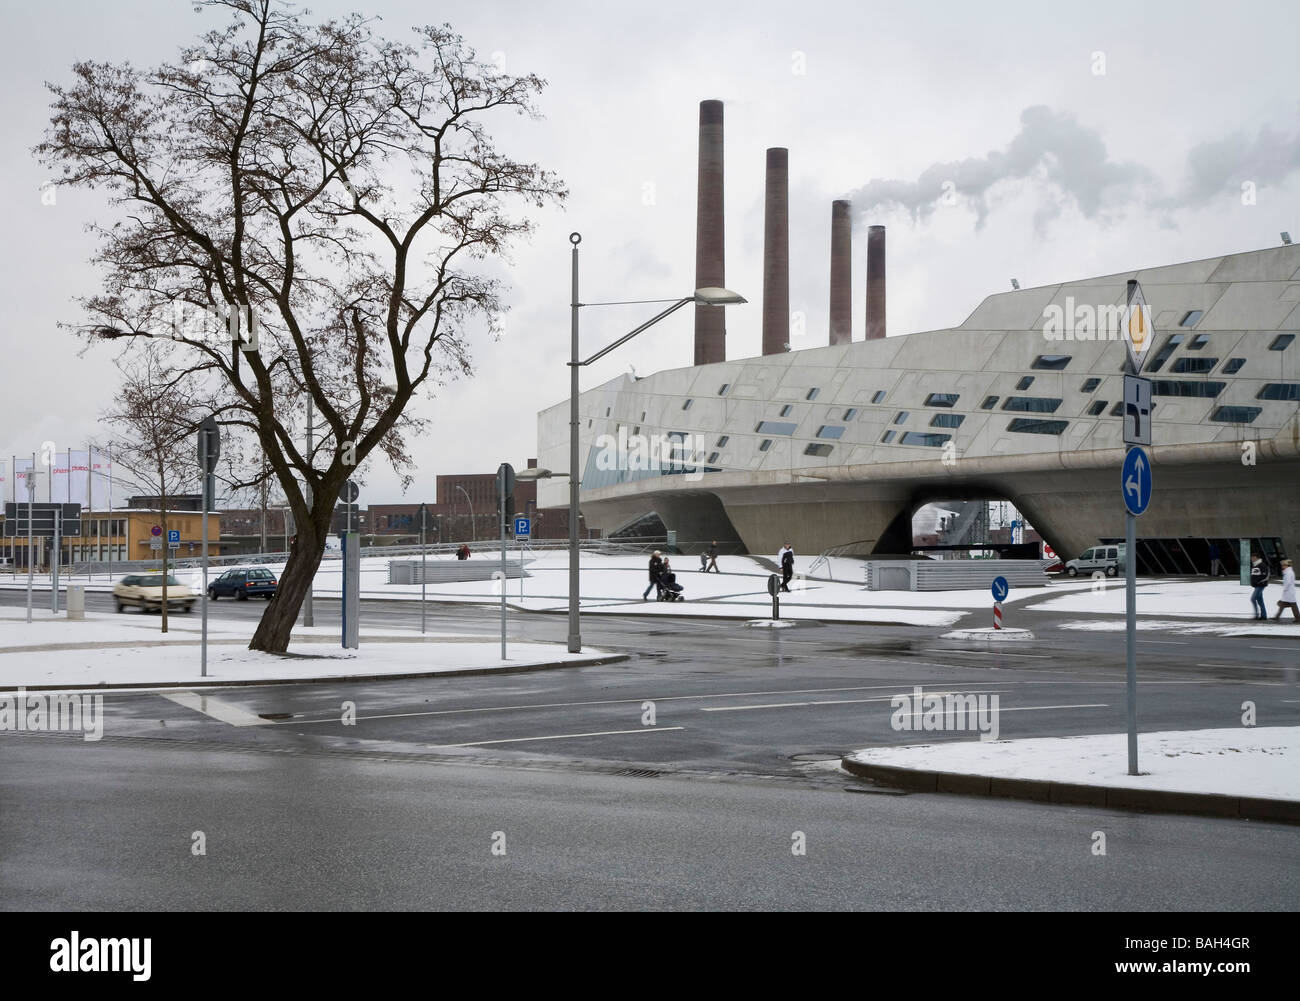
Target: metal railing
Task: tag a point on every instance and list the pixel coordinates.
(91, 568)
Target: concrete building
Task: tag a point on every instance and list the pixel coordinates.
(839, 445)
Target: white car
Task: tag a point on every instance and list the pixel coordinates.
(1108, 559)
(145, 592)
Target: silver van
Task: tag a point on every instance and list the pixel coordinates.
(1108, 559)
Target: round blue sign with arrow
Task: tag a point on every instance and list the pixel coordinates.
(1000, 588)
(1135, 481)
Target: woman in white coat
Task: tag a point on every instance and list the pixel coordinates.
(1288, 592)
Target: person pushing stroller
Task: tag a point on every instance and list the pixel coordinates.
(669, 589)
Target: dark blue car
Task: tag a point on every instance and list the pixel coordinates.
(243, 584)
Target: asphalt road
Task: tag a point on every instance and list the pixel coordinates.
(601, 809)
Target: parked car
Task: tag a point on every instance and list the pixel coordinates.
(1108, 559)
(145, 592)
(242, 584)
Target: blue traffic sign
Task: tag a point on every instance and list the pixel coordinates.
(173, 535)
(1000, 588)
(523, 526)
(1135, 481)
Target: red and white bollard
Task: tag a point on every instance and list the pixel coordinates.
(997, 615)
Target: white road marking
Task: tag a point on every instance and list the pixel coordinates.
(1288, 649)
(1166, 642)
(599, 702)
(1248, 667)
(844, 702)
(1025, 709)
(787, 705)
(562, 736)
(991, 653)
(217, 709)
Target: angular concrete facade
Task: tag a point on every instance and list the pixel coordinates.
(838, 445)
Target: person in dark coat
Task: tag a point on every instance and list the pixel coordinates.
(656, 568)
(1258, 580)
(713, 557)
(787, 567)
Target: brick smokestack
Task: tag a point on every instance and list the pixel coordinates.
(776, 253)
(710, 246)
(875, 282)
(841, 273)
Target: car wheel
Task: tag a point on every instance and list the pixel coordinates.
(241, 595)
(1072, 571)
(1112, 571)
(120, 607)
(212, 594)
(188, 608)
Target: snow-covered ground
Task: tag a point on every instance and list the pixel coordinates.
(1284, 629)
(1243, 761)
(1218, 598)
(129, 649)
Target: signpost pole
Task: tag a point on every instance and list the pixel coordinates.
(203, 598)
(1130, 628)
(54, 563)
(502, 502)
(307, 617)
(31, 534)
(424, 516)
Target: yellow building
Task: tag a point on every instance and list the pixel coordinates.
(119, 536)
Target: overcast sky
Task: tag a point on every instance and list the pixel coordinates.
(1079, 140)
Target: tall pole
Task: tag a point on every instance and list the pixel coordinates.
(307, 618)
(501, 491)
(424, 515)
(575, 629)
(1130, 624)
(206, 491)
(472, 536)
(112, 526)
(31, 535)
(54, 564)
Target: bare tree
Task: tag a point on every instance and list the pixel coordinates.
(155, 421)
(337, 189)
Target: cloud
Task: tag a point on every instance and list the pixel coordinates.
(1222, 165)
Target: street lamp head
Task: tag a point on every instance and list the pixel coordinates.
(713, 296)
(528, 475)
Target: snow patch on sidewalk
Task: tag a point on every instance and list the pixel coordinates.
(1240, 761)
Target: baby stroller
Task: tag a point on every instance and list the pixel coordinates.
(669, 589)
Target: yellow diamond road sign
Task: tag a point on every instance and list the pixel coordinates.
(1136, 325)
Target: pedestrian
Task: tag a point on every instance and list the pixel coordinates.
(1258, 580)
(656, 568)
(1288, 592)
(787, 566)
(1215, 566)
(713, 558)
(704, 561)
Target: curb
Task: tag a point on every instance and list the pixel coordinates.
(340, 679)
(1044, 791)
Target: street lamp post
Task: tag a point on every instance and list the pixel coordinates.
(702, 296)
(472, 536)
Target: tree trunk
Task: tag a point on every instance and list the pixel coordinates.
(272, 634)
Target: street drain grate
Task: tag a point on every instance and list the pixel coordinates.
(816, 756)
(640, 773)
